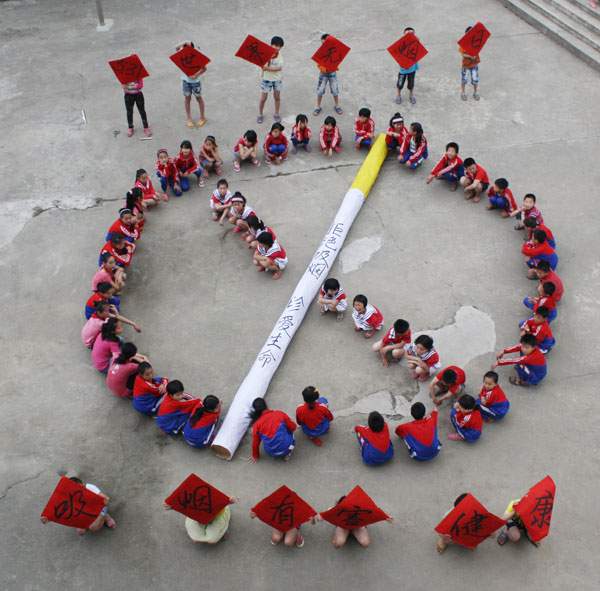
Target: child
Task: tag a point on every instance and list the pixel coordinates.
(148, 391)
(187, 164)
(501, 197)
(106, 346)
(420, 435)
(202, 424)
(134, 202)
(126, 225)
(364, 129)
(271, 79)
(192, 85)
(545, 274)
(326, 76)
(332, 298)
(175, 409)
(104, 519)
(301, 134)
(255, 227)
(445, 539)
(529, 210)
(470, 64)
(514, 528)
(290, 538)
(109, 272)
(407, 75)
(475, 181)
(449, 383)
(329, 137)
(239, 213)
(103, 293)
(143, 182)
(210, 156)
(269, 255)
(530, 365)
(102, 312)
(314, 416)
(276, 145)
(531, 225)
(119, 248)
(135, 96)
(492, 401)
(413, 150)
(466, 419)
(393, 342)
(167, 174)
(220, 202)
(123, 369)
(538, 326)
(537, 249)
(246, 149)
(274, 428)
(546, 299)
(396, 133)
(366, 316)
(422, 358)
(450, 167)
(374, 440)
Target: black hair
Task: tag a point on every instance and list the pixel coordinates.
(142, 367)
(417, 410)
(132, 196)
(324, 36)
(459, 498)
(375, 422)
(103, 287)
(76, 480)
(300, 118)
(254, 222)
(501, 183)
(408, 29)
(139, 172)
(265, 238)
(211, 138)
(209, 403)
(100, 305)
(186, 144)
(276, 40)
(468, 29)
(251, 136)
(222, 182)
(548, 288)
(360, 298)
(542, 311)
(530, 196)
(467, 401)
(117, 238)
(239, 196)
(329, 120)
(452, 145)
(310, 395)
(258, 407)
(469, 162)
(419, 131)
(364, 112)
(424, 340)
(492, 375)
(108, 330)
(331, 283)
(174, 386)
(340, 499)
(104, 257)
(449, 377)
(530, 222)
(123, 211)
(528, 339)
(128, 350)
(396, 116)
(543, 266)
(401, 326)
(278, 126)
(540, 236)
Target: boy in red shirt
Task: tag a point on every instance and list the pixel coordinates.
(546, 299)
(530, 364)
(314, 416)
(501, 197)
(531, 225)
(422, 358)
(326, 76)
(545, 274)
(246, 149)
(420, 435)
(374, 440)
(393, 341)
(450, 167)
(364, 129)
(538, 326)
(528, 210)
(467, 421)
(447, 384)
(475, 181)
(332, 298)
(492, 401)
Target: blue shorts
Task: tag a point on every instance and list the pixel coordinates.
(190, 88)
(276, 149)
(330, 77)
(464, 75)
(267, 85)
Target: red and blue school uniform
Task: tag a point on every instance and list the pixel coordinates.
(460, 378)
(468, 424)
(300, 136)
(394, 142)
(431, 357)
(539, 252)
(412, 153)
(480, 175)
(531, 368)
(391, 338)
(314, 421)
(187, 164)
(557, 281)
(130, 232)
(98, 297)
(276, 146)
(375, 448)
(173, 414)
(533, 213)
(493, 404)
(451, 170)
(241, 142)
(123, 256)
(201, 432)
(146, 396)
(339, 297)
(502, 200)
(329, 138)
(167, 175)
(547, 301)
(148, 190)
(549, 236)
(371, 319)
(276, 431)
(362, 129)
(542, 332)
(421, 437)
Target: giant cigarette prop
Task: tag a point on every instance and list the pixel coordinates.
(257, 381)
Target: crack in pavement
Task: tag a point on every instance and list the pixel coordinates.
(10, 486)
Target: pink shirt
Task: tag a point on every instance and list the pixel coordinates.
(117, 377)
(91, 329)
(101, 275)
(103, 351)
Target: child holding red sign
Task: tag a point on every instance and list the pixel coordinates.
(407, 75)
(470, 65)
(327, 76)
(192, 85)
(135, 96)
(271, 79)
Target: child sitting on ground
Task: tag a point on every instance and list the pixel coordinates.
(475, 181)
(413, 151)
(276, 145)
(528, 210)
(420, 434)
(239, 214)
(393, 342)
(167, 174)
(332, 298)
(546, 298)
(148, 391)
(143, 182)
(187, 164)
(538, 326)
(202, 424)
(220, 202)
(102, 312)
(103, 293)
(329, 137)
(175, 409)
(314, 416)
(514, 529)
(126, 224)
(255, 227)
(396, 133)
(269, 255)
(450, 167)
(107, 344)
(109, 272)
(466, 419)
(211, 159)
(246, 149)
(537, 249)
(530, 364)
(422, 358)
(545, 274)
(492, 401)
(501, 197)
(274, 428)
(123, 370)
(366, 316)
(374, 441)
(449, 383)
(301, 134)
(119, 248)
(364, 129)
(134, 202)
(531, 225)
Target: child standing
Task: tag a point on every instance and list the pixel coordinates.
(188, 164)
(314, 416)
(374, 441)
(329, 137)
(366, 316)
(201, 426)
(167, 174)
(396, 133)
(276, 145)
(135, 96)
(192, 85)
(393, 341)
(449, 383)
(274, 428)
(420, 435)
(364, 129)
(501, 197)
(414, 149)
(175, 409)
(148, 391)
(422, 358)
(143, 182)
(271, 79)
(470, 65)
(246, 149)
(407, 75)
(211, 159)
(327, 76)
(466, 419)
(269, 255)
(530, 364)
(332, 298)
(492, 401)
(301, 133)
(220, 202)
(475, 181)
(450, 167)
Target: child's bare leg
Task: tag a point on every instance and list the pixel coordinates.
(242, 224)
(254, 152)
(81, 532)
(475, 86)
(290, 537)
(277, 98)
(188, 103)
(201, 105)
(98, 524)
(339, 537)
(332, 307)
(276, 536)
(411, 364)
(362, 536)
(261, 103)
(397, 354)
(336, 101)
(377, 346)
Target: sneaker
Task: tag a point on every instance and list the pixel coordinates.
(256, 163)
(130, 132)
(299, 541)
(236, 167)
(308, 148)
(148, 131)
(267, 160)
(337, 150)
(201, 182)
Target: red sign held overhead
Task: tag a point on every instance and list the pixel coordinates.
(128, 69)
(74, 505)
(355, 510)
(197, 499)
(407, 51)
(474, 40)
(189, 60)
(331, 54)
(284, 510)
(469, 523)
(535, 508)
(255, 51)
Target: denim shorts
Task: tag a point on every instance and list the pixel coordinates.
(464, 75)
(266, 85)
(333, 83)
(190, 88)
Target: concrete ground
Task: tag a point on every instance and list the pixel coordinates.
(205, 313)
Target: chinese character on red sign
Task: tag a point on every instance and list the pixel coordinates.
(474, 40)
(331, 54)
(128, 69)
(255, 51)
(535, 508)
(197, 499)
(284, 510)
(407, 51)
(189, 60)
(357, 509)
